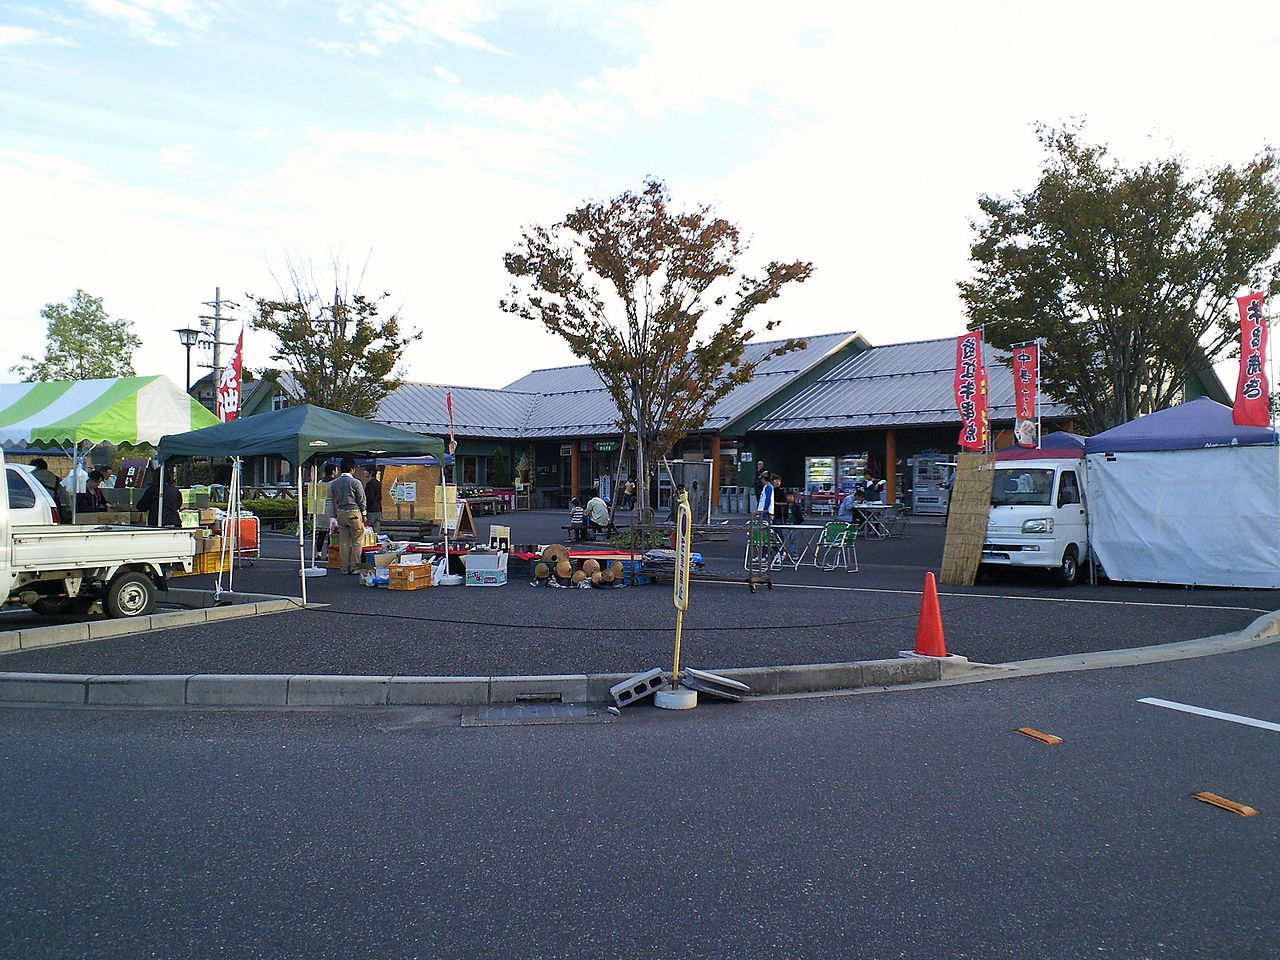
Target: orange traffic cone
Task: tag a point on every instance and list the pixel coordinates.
(929, 639)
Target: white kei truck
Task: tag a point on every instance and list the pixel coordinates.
(66, 568)
(1037, 517)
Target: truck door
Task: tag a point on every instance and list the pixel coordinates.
(1069, 521)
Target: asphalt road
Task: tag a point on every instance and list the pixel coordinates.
(911, 824)
(809, 617)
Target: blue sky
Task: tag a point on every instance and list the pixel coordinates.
(154, 149)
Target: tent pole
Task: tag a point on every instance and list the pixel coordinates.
(233, 507)
(302, 536)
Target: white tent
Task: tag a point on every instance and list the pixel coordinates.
(1185, 496)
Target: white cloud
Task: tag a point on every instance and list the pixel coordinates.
(160, 22)
(26, 36)
(180, 156)
(446, 75)
(431, 22)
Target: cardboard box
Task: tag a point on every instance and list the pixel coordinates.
(189, 518)
(485, 569)
(335, 559)
(408, 576)
(208, 515)
(209, 545)
(385, 559)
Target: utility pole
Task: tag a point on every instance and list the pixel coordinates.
(215, 321)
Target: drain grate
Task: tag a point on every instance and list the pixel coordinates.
(526, 714)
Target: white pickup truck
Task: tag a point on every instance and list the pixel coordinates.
(66, 568)
(1037, 517)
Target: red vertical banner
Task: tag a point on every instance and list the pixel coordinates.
(1253, 392)
(1026, 372)
(229, 381)
(971, 391)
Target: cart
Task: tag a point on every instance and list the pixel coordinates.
(248, 538)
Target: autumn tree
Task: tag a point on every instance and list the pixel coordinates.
(1127, 273)
(82, 343)
(343, 354)
(653, 299)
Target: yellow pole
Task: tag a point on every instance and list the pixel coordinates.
(680, 589)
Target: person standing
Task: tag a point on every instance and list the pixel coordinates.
(629, 495)
(45, 477)
(767, 506)
(373, 498)
(762, 479)
(322, 528)
(93, 500)
(161, 506)
(350, 508)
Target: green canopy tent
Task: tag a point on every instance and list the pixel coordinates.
(70, 414)
(301, 435)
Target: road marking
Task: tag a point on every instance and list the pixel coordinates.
(1215, 714)
(995, 596)
(1225, 804)
(1037, 735)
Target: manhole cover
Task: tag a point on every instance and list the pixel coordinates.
(522, 714)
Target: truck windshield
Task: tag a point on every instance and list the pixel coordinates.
(1019, 485)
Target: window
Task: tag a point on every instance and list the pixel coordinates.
(1021, 486)
(279, 400)
(1068, 488)
(21, 496)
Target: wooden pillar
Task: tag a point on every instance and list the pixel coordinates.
(715, 471)
(575, 466)
(890, 466)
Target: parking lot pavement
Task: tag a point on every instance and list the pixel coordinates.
(810, 616)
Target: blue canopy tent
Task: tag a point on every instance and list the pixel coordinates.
(1186, 496)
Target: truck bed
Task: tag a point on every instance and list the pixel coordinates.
(83, 546)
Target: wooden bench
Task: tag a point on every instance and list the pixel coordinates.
(591, 531)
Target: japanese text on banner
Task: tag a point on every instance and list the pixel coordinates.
(1026, 370)
(971, 391)
(1253, 393)
(228, 398)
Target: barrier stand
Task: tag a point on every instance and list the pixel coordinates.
(675, 696)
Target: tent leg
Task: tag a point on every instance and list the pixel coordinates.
(302, 539)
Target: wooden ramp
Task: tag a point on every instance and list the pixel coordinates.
(967, 518)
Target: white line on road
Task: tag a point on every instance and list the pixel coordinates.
(1215, 714)
(993, 596)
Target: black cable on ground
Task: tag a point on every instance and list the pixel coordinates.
(564, 627)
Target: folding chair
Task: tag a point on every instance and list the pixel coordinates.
(759, 546)
(839, 538)
(895, 521)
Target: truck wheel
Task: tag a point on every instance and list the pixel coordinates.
(1069, 571)
(130, 594)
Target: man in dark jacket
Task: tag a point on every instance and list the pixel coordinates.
(162, 509)
(44, 476)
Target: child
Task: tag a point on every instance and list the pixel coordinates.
(793, 513)
(577, 519)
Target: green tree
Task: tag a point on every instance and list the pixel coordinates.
(82, 343)
(1127, 273)
(344, 354)
(652, 298)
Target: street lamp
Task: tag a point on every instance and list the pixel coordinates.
(188, 338)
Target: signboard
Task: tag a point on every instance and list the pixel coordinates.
(404, 491)
(1026, 388)
(1252, 405)
(606, 446)
(971, 391)
(684, 555)
(566, 449)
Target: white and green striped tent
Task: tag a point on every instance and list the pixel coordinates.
(124, 410)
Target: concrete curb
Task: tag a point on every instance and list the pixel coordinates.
(244, 605)
(801, 680)
(311, 690)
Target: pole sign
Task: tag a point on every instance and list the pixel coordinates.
(1252, 407)
(971, 391)
(684, 554)
(1026, 385)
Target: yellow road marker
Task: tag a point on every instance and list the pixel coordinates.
(1225, 804)
(1037, 735)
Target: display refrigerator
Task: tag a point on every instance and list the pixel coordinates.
(852, 471)
(819, 474)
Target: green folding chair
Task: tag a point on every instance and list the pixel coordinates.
(839, 543)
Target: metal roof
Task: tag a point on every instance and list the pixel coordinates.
(899, 384)
(573, 401)
(477, 411)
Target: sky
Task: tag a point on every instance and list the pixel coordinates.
(154, 150)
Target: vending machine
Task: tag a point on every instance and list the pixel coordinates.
(852, 471)
(819, 474)
(930, 484)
